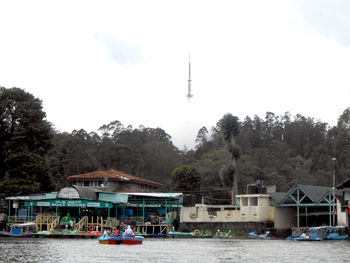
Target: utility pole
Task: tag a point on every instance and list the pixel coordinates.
(333, 189)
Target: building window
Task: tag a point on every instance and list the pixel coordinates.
(213, 211)
(253, 201)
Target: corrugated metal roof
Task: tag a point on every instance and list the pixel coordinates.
(113, 197)
(77, 192)
(124, 189)
(159, 195)
(344, 184)
(51, 195)
(113, 175)
(32, 197)
(315, 193)
(86, 192)
(277, 197)
(24, 198)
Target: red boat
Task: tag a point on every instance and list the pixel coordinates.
(120, 240)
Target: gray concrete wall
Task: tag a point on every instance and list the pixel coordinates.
(342, 217)
(284, 217)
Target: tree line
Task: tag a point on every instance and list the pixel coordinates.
(280, 150)
(34, 157)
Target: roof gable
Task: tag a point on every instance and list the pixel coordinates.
(114, 175)
(315, 193)
(309, 194)
(277, 197)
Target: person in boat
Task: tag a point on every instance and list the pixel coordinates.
(264, 236)
(303, 235)
(105, 233)
(128, 232)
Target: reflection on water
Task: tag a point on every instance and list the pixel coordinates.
(172, 250)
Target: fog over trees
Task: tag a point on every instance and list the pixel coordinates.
(280, 150)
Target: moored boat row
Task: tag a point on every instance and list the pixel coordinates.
(321, 233)
(313, 234)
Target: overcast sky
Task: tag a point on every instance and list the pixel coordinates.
(93, 62)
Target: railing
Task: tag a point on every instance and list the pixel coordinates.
(154, 224)
(54, 223)
(44, 220)
(98, 224)
(82, 224)
(48, 222)
(139, 220)
(20, 219)
(111, 222)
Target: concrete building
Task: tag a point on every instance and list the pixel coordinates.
(252, 208)
(301, 206)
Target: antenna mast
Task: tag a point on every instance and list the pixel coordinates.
(189, 95)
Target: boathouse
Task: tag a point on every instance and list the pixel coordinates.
(91, 209)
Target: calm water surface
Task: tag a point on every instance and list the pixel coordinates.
(172, 250)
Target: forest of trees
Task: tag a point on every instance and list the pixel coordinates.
(280, 150)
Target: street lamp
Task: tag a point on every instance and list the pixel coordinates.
(333, 189)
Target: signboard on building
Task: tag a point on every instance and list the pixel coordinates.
(69, 203)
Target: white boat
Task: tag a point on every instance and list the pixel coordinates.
(20, 230)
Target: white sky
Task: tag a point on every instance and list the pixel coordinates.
(93, 62)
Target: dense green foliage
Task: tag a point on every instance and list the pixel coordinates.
(144, 152)
(185, 179)
(25, 138)
(228, 174)
(19, 187)
(280, 150)
(31, 150)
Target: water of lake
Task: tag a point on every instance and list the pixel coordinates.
(172, 250)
